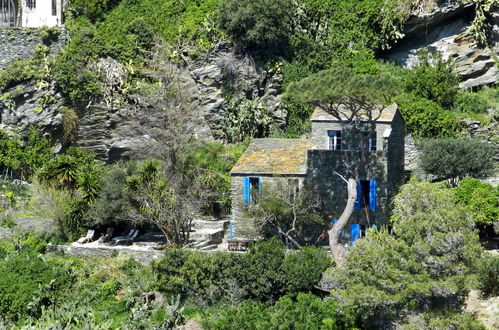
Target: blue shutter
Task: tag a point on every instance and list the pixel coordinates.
(259, 186)
(246, 191)
(342, 232)
(354, 232)
(372, 195)
(357, 202)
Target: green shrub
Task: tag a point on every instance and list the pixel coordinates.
(28, 282)
(449, 158)
(435, 80)
(488, 275)
(480, 198)
(442, 320)
(17, 72)
(305, 312)
(257, 24)
(425, 118)
(471, 102)
(303, 269)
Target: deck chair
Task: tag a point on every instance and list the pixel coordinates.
(126, 240)
(88, 238)
(107, 236)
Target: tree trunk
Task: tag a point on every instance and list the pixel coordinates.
(337, 249)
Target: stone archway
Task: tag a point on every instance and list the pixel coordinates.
(8, 13)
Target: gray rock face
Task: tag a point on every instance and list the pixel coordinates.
(123, 132)
(444, 31)
(25, 108)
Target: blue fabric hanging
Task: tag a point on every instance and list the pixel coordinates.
(246, 191)
(354, 232)
(357, 201)
(372, 195)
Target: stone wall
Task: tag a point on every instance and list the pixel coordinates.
(20, 43)
(243, 227)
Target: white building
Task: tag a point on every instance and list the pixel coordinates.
(31, 13)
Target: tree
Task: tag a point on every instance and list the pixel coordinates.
(481, 199)
(454, 159)
(425, 264)
(257, 24)
(166, 199)
(435, 80)
(356, 101)
(283, 209)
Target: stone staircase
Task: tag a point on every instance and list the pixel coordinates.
(207, 234)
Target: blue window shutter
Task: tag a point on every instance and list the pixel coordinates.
(342, 232)
(246, 191)
(372, 195)
(260, 186)
(357, 202)
(354, 232)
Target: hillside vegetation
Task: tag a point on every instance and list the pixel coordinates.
(132, 55)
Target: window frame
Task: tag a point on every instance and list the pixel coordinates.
(335, 139)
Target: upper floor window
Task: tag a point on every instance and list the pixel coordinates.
(372, 142)
(54, 7)
(31, 4)
(7, 13)
(334, 140)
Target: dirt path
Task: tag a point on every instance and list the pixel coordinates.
(485, 310)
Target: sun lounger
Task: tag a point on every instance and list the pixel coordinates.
(107, 236)
(88, 238)
(126, 240)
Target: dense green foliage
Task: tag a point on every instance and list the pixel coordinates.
(435, 80)
(488, 276)
(24, 158)
(263, 274)
(456, 158)
(305, 312)
(426, 263)
(257, 24)
(481, 199)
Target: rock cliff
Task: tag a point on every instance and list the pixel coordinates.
(444, 30)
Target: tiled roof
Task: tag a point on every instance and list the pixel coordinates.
(274, 157)
(386, 115)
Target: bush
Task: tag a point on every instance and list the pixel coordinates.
(435, 80)
(257, 24)
(480, 198)
(263, 274)
(427, 263)
(488, 275)
(471, 102)
(303, 269)
(449, 158)
(305, 312)
(28, 282)
(425, 118)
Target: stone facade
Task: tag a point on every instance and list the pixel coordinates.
(379, 183)
(31, 13)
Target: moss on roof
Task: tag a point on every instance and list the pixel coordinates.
(274, 157)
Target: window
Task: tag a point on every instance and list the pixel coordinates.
(252, 188)
(372, 142)
(334, 140)
(366, 195)
(31, 4)
(7, 13)
(54, 7)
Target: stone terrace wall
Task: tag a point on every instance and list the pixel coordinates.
(20, 43)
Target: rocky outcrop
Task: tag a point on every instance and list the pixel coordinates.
(443, 30)
(27, 105)
(205, 85)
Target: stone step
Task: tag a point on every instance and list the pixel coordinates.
(212, 235)
(209, 224)
(209, 247)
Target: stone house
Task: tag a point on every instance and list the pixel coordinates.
(312, 163)
(31, 13)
